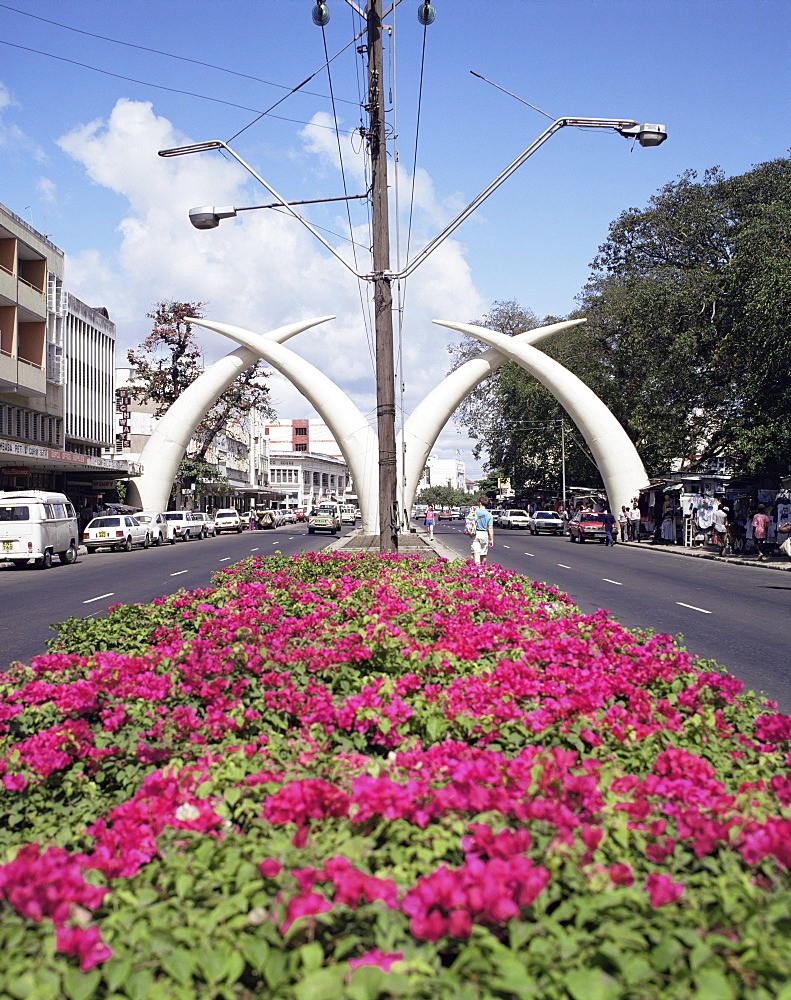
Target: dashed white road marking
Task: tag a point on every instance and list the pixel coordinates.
(564, 566)
(255, 549)
(225, 559)
(692, 607)
(101, 597)
(608, 580)
(181, 572)
(506, 546)
(531, 554)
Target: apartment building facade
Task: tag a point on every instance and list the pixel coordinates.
(40, 380)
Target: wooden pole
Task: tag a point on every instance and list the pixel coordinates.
(383, 298)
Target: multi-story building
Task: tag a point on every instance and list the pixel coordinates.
(307, 435)
(444, 472)
(55, 383)
(305, 478)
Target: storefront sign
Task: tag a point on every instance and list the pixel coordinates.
(14, 470)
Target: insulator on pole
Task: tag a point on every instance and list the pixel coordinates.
(320, 14)
(426, 13)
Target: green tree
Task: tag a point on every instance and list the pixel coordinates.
(169, 361)
(443, 496)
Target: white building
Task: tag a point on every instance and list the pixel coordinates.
(306, 478)
(444, 472)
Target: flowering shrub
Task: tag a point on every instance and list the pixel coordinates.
(365, 777)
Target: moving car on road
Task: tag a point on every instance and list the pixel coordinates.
(546, 520)
(325, 517)
(185, 525)
(587, 525)
(115, 531)
(227, 519)
(514, 518)
(208, 526)
(348, 514)
(159, 528)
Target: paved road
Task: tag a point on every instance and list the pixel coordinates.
(734, 614)
(31, 600)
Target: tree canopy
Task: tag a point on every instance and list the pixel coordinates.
(688, 309)
(169, 361)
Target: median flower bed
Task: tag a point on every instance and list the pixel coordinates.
(368, 777)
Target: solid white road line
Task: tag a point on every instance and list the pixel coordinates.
(608, 580)
(100, 598)
(181, 572)
(692, 607)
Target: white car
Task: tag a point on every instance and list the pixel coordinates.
(159, 528)
(115, 531)
(227, 519)
(546, 520)
(185, 524)
(514, 518)
(208, 525)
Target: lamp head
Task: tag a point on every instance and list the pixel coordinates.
(646, 135)
(208, 217)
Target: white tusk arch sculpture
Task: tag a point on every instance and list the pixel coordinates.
(355, 437)
(619, 464)
(426, 421)
(165, 448)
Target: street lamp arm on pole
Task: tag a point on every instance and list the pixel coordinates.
(202, 147)
(645, 134)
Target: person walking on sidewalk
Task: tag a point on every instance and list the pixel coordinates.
(483, 539)
(721, 528)
(760, 530)
(623, 524)
(429, 521)
(634, 522)
(609, 526)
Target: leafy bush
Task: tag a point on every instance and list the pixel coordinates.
(371, 777)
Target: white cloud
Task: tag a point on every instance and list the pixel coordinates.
(260, 270)
(14, 138)
(47, 189)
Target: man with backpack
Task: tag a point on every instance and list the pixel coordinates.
(480, 525)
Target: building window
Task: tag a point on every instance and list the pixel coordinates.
(301, 431)
(300, 447)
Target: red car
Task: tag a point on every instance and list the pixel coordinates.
(587, 525)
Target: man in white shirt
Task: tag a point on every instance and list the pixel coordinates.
(634, 522)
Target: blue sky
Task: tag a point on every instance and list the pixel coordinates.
(78, 152)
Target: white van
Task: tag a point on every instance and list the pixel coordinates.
(37, 525)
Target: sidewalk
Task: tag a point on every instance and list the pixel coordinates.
(770, 562)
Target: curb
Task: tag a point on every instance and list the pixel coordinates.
(683, 552)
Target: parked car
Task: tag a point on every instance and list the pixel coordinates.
(514, 518)
(185, 524)
(586, 525)
(290, 516)
(546, 520)
(159, 528)
(227, 519)
(37, 525)
(208, 527)
(115, 531)
(325, 517)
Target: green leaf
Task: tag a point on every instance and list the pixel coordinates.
(591, 984)
(78, 985)
(321, 984)
(180, 964)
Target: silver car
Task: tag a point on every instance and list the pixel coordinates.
(208, 525)
(115, 531)
(546, 520)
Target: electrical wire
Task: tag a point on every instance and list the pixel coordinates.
(346, 191)
(156, 86)
(160, 52)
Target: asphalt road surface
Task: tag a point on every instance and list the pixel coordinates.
(31, 599)
(737, 615)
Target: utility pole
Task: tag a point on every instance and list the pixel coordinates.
(383, 297)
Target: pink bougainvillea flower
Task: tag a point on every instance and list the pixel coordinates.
(377, 957)
(663, 890)
(85, 942)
